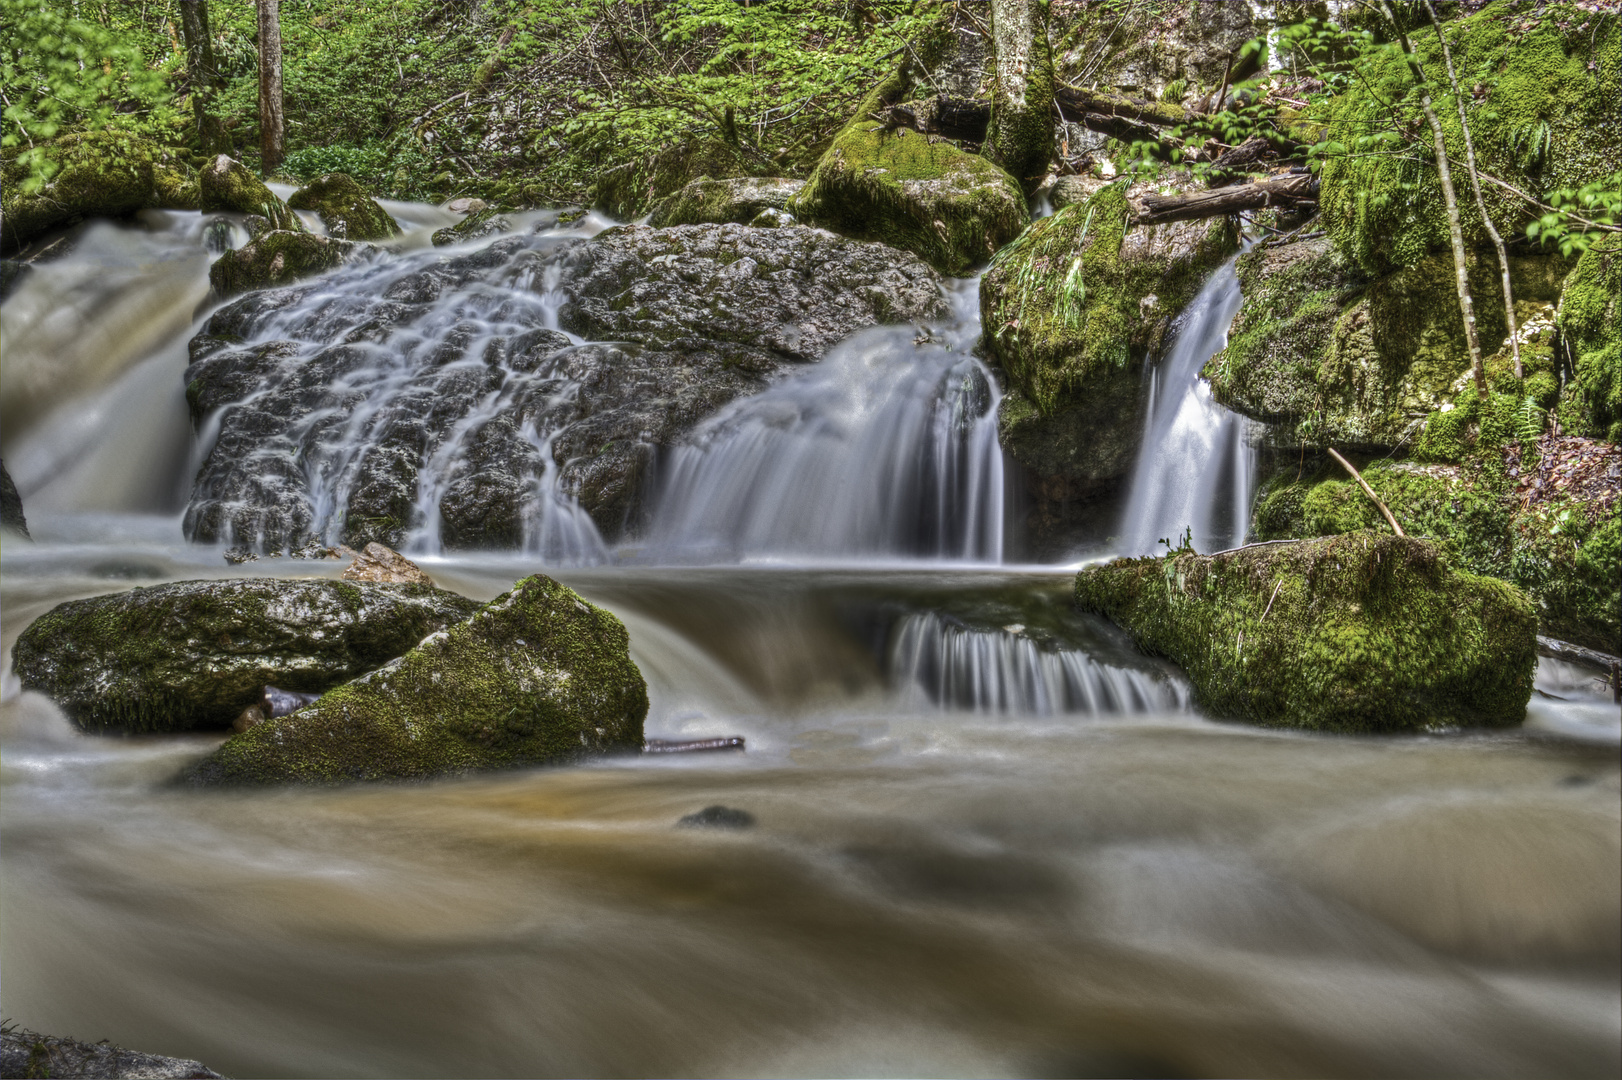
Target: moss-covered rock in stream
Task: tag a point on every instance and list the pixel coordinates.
(1329, 356)
(1590, 320)
(1543, 82)
(1525, 521)
(1356, 633)
(11, 504)
(1071, 310)
(346, 209)
(951, 208)
(629, 191)
(717, 202)
(278, 257)
(478, 225)
(194, 654)
(536, 675)
(227, 184)
(98, 174)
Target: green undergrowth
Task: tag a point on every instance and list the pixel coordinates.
(1354, 633)
(1590, 318)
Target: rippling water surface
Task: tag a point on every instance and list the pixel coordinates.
(989, 839)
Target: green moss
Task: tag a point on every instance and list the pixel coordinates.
(275, 258)
(630, 191)
(100, 174)
(952, 209)
(227, 184)
(718, 202)
(1590, 319)
(1358, 633)
(194, 654)
(1547, 120)
(346, 209)
(1078, 301)
(536, 675)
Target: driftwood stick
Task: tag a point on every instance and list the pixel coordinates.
(1364, 484)
(1288, 191)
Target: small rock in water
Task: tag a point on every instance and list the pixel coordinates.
(384, 566)
(252, 716)
(281, 702)
(466, 205)
(718, 817)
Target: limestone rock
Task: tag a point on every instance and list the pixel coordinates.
(384, 566)
(277, 257)
(227, 184)
(537, 675)
(629, 191)
(717, 202)
(914, 192)
(27, 1053)
(195, 654)
(1355, 633)
(348, 212)
(99, 174)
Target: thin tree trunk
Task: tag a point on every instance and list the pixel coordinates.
(272, 134)
(1021, 135)
(1455, 230)
(204, 76)
(1475, 184)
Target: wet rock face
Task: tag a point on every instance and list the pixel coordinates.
(27, 1053)
(536, 675)
(429, 397)
(194, 654)
(277, 257)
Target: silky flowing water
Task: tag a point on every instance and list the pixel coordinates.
(989, 836)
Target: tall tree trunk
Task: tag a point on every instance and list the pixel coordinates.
(200, 69)
(1021, 135)
(1475, 185)
(1455, 230)
(272, 135)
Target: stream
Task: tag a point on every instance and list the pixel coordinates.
(988, 837)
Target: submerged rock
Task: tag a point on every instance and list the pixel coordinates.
(195, 654)
(1356, 633)
(347, 211)
(227, 184)
(27, 1053)
(276, 257)
(99, 174)
(952, 208)
(11, 504)
(483, 407)
(537, 675)
(717, 202)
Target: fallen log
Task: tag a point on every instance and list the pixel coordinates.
(1290, 191)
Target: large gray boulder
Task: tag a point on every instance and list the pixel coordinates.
(428, 392)
(537, 675)
(194, 654)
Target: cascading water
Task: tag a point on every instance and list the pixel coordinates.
(1196, 468)
(938, 661)
(886, 448)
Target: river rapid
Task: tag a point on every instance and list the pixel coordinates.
(989, 838)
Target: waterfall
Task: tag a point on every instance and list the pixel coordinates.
(1196, 468)
(886, 448)
(938, 662)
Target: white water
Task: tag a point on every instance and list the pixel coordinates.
(1196, 468)
(883, 449)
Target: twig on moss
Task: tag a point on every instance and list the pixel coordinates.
(1364, 484)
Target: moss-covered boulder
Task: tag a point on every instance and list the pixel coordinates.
(1590, 320)
(277, 257)
(536, 675)
(951, 208)
(97, 174)
(194, 654)
(478, 225)
(348, 212)
(1542, 516)
(11, 504)
(629, 191)
(1071, 311)
(1331, 356)
(717, 202)
(227, 184)
(1357, 633)
(1542, 84)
